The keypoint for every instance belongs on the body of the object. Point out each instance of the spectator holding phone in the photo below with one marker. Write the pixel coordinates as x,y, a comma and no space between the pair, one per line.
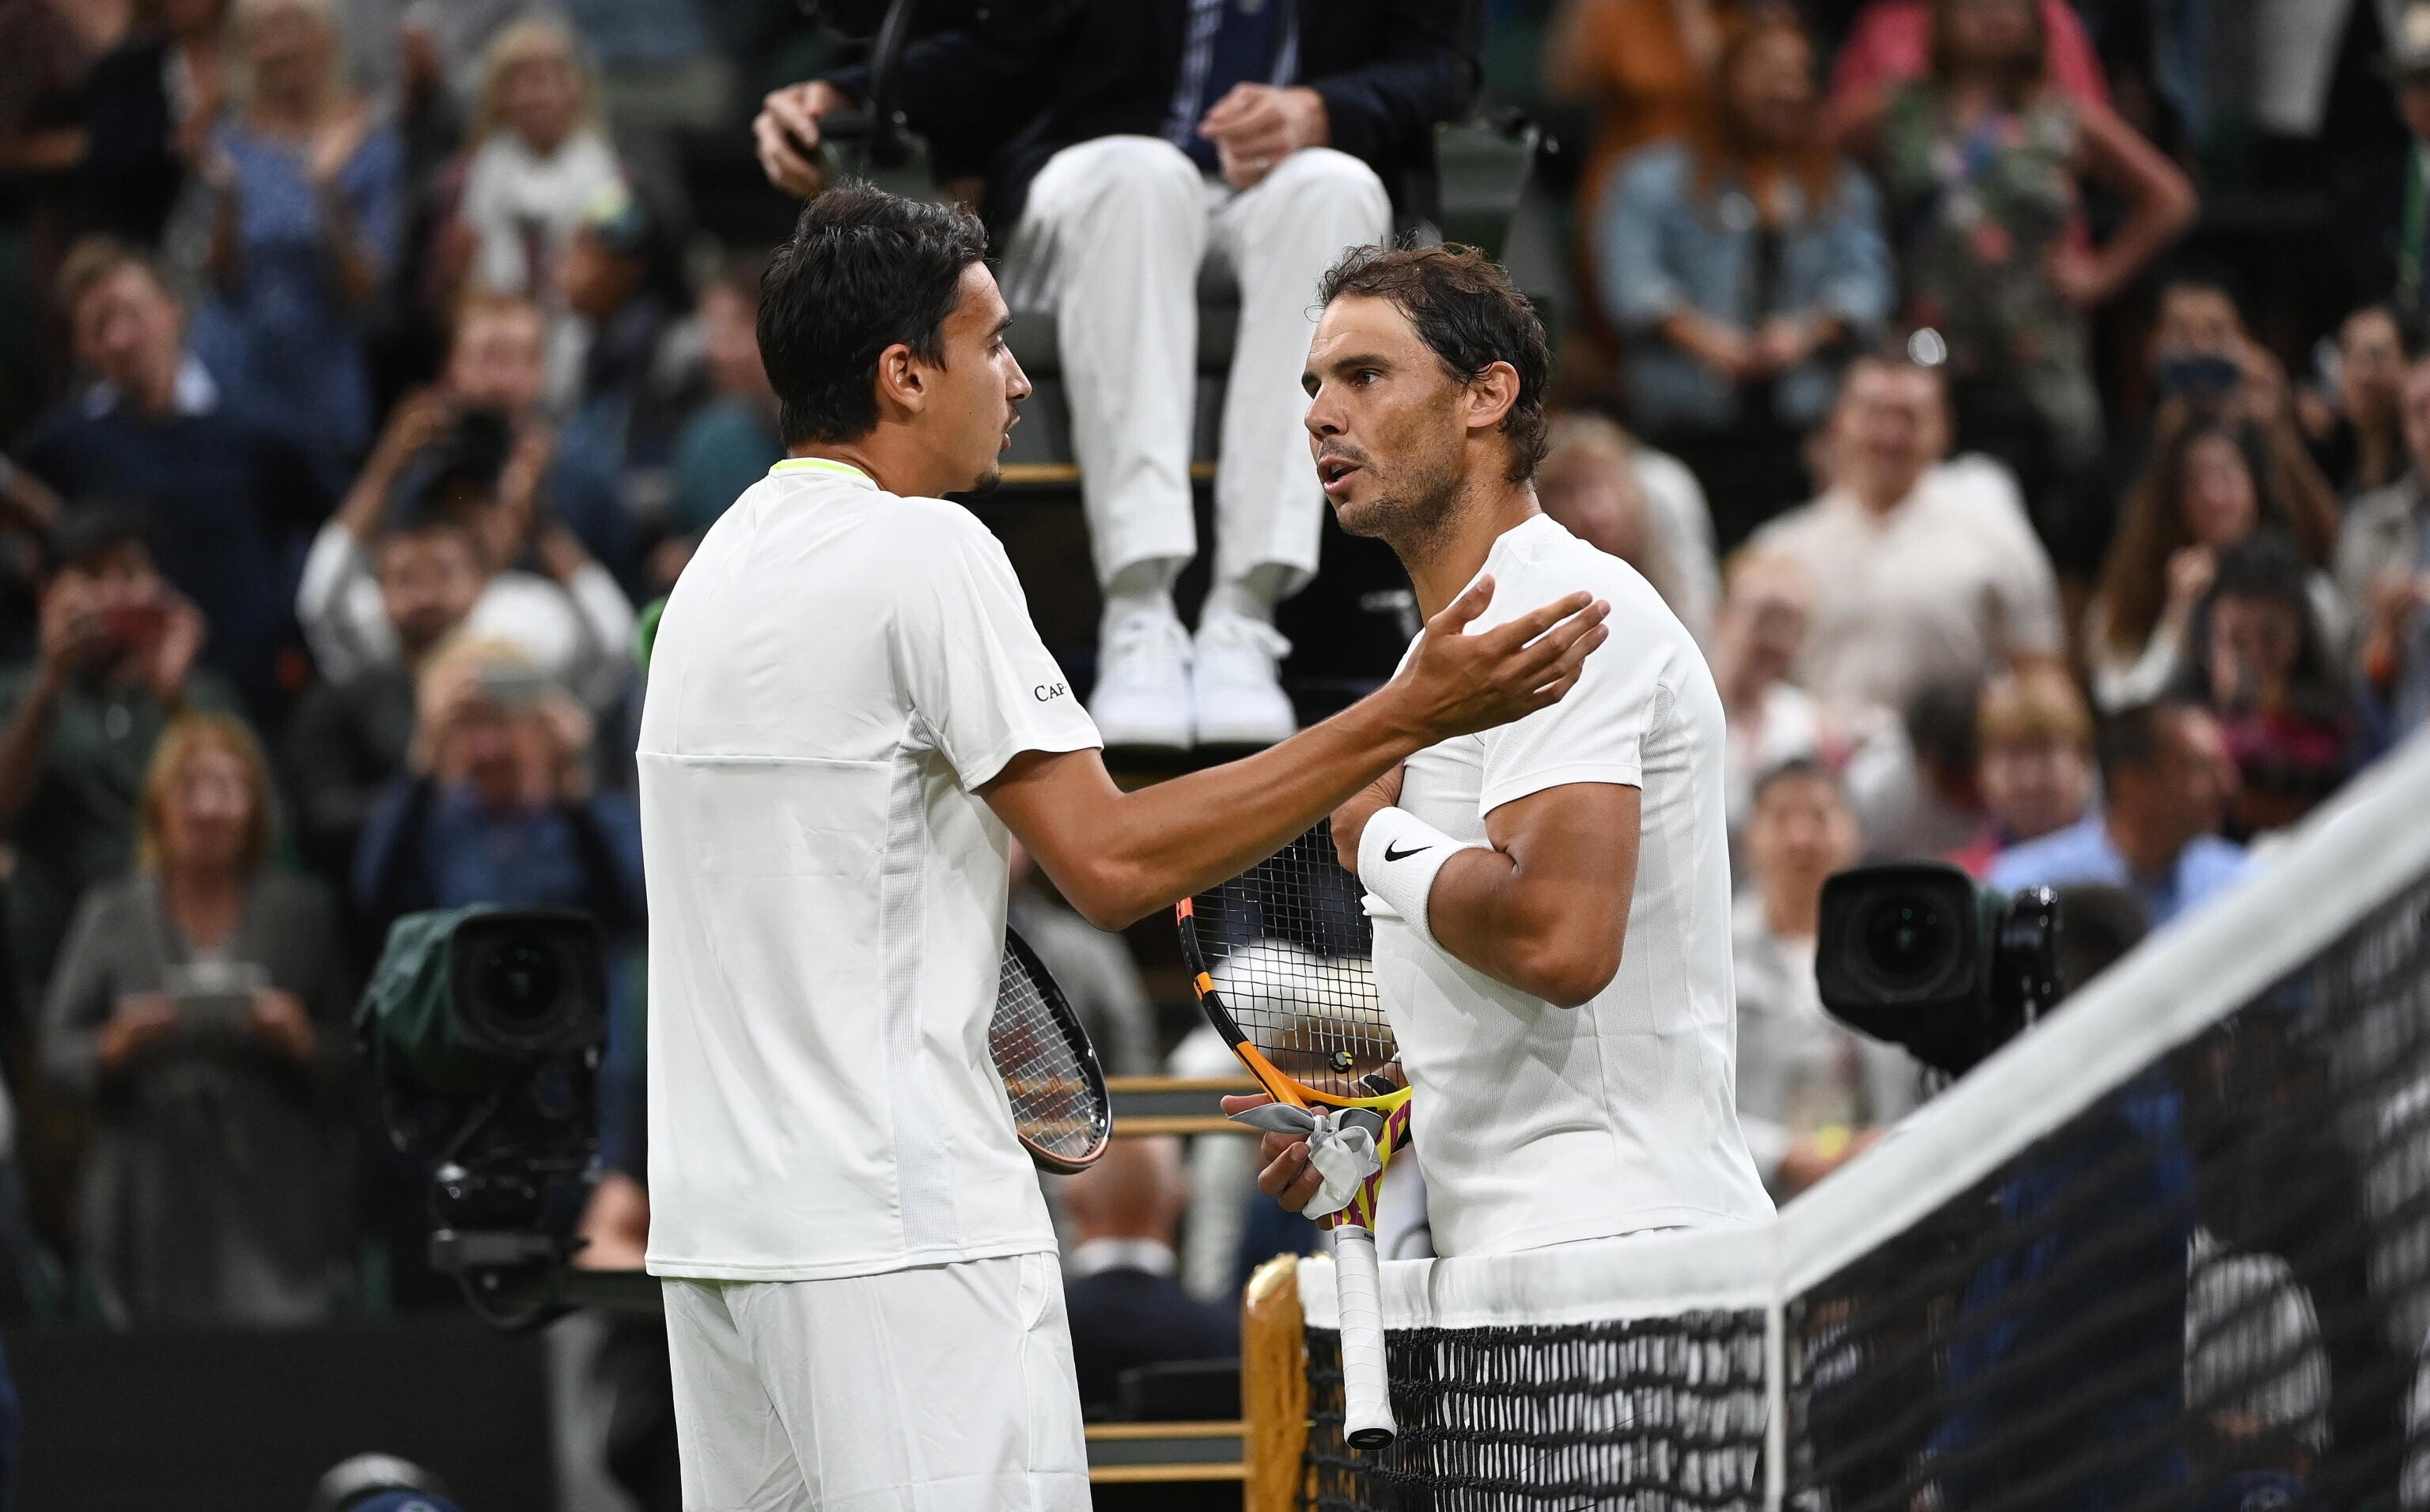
2212,482
115,665
2201,359
200,1010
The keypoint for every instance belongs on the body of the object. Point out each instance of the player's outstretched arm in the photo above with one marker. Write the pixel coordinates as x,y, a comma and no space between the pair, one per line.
1118,856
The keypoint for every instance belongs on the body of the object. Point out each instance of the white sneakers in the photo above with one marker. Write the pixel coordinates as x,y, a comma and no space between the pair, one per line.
1149,693
1143,695
1240,693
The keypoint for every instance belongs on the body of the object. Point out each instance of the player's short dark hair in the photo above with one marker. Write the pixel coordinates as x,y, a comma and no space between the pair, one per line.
2135,737
1467,311
864,271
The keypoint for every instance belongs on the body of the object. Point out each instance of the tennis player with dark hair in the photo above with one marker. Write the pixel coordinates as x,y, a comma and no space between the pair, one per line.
1550,898
849,717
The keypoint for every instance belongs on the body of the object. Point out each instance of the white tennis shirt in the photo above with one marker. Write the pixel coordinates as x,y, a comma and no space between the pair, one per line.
1536,1124
838,671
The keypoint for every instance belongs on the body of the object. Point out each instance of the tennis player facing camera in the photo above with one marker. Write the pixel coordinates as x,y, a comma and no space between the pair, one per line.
1550,898
849,716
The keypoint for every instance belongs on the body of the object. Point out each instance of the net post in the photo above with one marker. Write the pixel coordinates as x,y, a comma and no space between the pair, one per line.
1273,1386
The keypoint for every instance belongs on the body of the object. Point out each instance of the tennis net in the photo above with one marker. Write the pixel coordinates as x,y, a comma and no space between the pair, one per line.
2171,1250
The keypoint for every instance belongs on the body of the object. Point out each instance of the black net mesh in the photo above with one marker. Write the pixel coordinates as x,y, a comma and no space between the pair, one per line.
1644,1413
1287,944
2209,1289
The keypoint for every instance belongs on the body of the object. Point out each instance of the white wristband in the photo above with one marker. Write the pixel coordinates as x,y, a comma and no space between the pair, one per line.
1398,856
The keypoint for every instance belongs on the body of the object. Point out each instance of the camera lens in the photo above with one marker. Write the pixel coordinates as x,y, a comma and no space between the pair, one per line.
522,983
1907,941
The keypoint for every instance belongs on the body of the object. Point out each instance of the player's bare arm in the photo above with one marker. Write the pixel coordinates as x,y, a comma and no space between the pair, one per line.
1118,856
1545,909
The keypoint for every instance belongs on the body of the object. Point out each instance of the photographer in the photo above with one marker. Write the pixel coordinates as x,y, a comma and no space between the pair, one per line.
115,664
200,1008
472,448
499,805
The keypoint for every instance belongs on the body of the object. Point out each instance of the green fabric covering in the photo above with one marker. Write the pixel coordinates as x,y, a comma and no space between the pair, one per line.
407,1011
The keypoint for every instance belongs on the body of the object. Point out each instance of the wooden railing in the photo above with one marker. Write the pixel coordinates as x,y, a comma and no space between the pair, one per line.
1174,1104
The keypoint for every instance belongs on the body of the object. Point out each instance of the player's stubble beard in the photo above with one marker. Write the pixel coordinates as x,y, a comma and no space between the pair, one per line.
1415,502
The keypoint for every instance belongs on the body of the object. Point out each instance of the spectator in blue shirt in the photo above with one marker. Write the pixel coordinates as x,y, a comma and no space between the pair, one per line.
308,189
2169,781
1742,266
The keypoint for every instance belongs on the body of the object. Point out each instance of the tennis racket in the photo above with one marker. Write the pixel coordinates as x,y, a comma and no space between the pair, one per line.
1059,1106
1281,960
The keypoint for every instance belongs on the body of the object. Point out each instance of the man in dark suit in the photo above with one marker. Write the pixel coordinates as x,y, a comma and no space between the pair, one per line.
1123,143
1125,1307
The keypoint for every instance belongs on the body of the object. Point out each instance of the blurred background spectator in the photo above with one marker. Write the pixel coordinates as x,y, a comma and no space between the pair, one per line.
2383,564
306,189
540,160
729,441
1735,265
499,805
2212,482
1812,1093
1923,574
2266,672
1126,1308
115,666
2033,761
1639,504
2167,783
200,1008
228,491
2357,421
1983,159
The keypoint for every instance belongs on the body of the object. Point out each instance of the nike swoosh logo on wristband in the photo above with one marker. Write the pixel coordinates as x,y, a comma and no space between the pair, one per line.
1391,855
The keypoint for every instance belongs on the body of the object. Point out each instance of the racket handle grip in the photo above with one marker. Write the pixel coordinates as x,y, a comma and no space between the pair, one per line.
1366,1393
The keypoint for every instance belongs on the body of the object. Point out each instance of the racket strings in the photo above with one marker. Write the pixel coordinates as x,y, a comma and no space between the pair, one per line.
1289,947
1055,1101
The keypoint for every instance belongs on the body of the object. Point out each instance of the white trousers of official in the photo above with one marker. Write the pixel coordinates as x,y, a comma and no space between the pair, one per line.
1110,240
943,1388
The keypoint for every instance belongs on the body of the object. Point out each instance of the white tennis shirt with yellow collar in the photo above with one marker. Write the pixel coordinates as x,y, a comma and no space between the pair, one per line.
838,672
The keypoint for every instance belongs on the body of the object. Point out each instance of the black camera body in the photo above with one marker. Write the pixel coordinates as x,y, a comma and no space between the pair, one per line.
486,1027
1916,953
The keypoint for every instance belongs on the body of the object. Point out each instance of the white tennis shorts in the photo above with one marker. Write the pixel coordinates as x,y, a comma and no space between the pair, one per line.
944,1388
